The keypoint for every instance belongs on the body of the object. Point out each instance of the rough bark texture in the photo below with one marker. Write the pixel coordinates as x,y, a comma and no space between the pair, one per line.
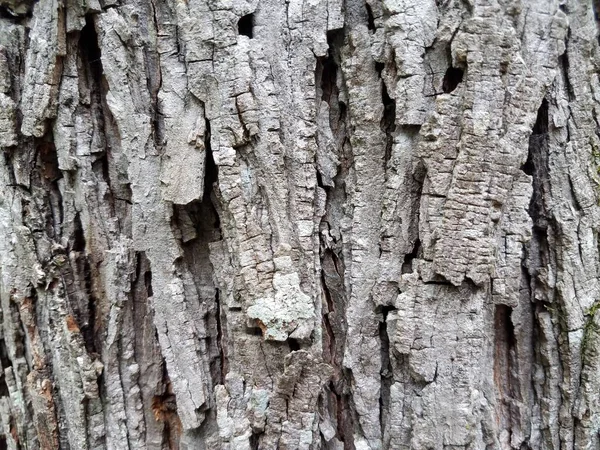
269,224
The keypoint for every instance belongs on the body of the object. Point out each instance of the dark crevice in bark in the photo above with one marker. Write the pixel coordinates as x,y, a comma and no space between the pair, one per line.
388,119
536,165
255,440
148,283
78,240
387,375
541,121
329,79
337,398
452,78
154,84
539,263
246,26
294,344
407,265
329,338
335,338
198,224
90,52
221,318
80,292
370,19
253,331
152,368
91,73
45,177
164,408
505,367
565,66
18,19
439,280
328,69
6,363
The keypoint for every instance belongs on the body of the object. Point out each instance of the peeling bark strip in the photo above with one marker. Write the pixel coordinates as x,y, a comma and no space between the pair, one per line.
281,225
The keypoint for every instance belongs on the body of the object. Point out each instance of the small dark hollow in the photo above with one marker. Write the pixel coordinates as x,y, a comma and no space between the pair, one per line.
452,77
78,235
4,392
370,18
90,51
407,265
541,121
148,283
3,445
246,25
254,331
294,344
254,440
505,330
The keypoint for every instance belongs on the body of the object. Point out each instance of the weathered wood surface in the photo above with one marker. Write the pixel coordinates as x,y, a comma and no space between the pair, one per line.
244,224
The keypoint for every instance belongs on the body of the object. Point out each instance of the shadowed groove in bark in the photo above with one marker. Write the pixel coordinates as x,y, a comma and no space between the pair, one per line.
329,79
505,369
407,265
164,407
198,223
370,19
6,363
85,313
387,374
388,119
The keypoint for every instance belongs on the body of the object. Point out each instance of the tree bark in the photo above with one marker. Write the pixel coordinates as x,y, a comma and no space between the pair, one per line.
299,224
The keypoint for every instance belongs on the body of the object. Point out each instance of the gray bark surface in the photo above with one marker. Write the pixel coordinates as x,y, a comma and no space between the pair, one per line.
338,225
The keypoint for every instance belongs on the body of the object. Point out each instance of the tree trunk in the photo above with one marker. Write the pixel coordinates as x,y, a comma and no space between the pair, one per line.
299,224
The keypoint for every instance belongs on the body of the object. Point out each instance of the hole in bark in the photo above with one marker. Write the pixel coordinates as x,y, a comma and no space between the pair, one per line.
370,18
101,166
452,78
329,68
541,121
246,25
78,236
438,280
294,344
148,283
528,166
89,50
407,266
254,331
